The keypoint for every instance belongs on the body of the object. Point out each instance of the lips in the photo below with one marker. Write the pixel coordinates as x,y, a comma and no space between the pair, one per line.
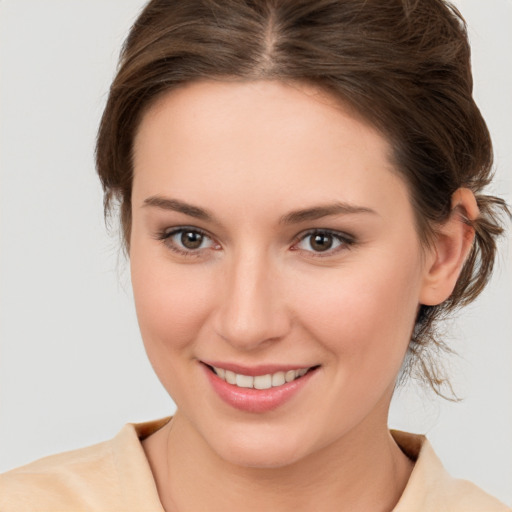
257,389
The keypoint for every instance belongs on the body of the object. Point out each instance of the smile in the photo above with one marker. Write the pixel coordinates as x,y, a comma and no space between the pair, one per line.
270,380
266,388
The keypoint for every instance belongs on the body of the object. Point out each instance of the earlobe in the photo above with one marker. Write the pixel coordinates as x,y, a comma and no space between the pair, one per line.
452,243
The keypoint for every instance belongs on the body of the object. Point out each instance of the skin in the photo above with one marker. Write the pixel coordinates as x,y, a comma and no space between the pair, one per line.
256,292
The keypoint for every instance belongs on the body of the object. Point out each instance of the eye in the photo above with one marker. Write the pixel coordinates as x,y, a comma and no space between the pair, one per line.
323,241
191,239
187,241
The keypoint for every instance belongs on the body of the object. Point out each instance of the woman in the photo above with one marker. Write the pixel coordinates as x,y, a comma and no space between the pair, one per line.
300,187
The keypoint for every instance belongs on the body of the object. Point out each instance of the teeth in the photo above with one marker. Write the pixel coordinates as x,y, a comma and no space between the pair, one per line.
230,377
263,381
290,375
244,381
260,381
278,379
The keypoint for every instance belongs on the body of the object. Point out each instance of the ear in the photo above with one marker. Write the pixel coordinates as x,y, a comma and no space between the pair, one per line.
453,241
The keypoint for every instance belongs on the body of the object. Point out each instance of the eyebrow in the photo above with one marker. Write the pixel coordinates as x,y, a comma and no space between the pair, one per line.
294,217
174,205
319,212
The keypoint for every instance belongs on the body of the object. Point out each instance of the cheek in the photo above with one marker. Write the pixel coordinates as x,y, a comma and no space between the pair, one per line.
171,303
364,313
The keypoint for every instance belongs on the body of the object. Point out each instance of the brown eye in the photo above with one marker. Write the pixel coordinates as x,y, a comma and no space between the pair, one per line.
188,241
321,241
191,239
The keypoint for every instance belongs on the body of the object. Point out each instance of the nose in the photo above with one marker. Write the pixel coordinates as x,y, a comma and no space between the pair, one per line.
251,311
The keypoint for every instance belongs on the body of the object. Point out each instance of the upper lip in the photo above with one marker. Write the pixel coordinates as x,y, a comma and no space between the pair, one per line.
253,371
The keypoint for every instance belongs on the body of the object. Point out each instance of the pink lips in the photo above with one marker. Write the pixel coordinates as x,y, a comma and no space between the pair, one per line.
255,400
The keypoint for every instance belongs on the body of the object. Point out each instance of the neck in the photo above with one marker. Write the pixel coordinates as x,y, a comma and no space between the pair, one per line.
365,470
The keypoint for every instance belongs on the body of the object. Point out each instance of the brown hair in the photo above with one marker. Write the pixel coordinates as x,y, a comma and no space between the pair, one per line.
404,65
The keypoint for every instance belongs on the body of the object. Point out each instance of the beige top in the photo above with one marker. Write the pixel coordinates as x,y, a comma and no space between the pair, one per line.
115,476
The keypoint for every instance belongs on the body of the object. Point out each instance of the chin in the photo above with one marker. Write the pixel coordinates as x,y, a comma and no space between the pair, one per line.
264,451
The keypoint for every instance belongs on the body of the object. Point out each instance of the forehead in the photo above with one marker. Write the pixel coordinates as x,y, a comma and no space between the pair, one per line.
247,137
295,108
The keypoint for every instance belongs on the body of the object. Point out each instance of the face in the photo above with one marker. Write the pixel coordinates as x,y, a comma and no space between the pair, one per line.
272,246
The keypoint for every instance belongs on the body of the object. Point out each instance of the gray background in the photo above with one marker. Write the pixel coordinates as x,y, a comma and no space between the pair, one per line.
72,366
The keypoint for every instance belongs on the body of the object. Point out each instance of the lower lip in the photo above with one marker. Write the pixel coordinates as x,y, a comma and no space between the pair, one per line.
256,400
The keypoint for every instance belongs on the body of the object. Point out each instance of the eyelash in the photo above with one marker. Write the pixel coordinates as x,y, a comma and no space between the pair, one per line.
346,241
165,236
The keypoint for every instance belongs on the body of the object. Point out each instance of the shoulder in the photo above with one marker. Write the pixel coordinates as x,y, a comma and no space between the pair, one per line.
105,476
54,480
432,489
